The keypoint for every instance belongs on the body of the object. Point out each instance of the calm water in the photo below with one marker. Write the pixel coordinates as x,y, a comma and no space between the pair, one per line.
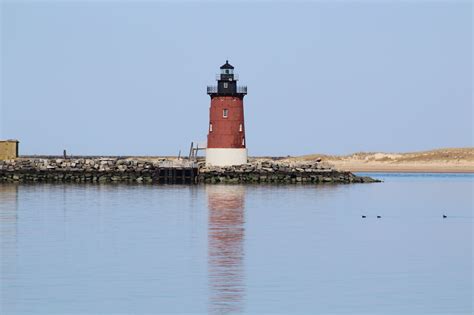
94,249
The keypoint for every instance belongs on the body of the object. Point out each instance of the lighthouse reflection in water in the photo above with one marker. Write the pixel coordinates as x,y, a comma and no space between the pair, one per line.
226,253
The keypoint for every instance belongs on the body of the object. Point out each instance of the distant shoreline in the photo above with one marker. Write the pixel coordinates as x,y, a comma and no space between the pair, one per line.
446,160
409,170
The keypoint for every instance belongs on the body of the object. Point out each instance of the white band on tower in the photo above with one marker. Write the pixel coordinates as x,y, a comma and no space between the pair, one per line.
225,157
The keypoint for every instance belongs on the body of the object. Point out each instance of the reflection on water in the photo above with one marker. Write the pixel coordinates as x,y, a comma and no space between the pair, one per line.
300,249
226,252
8,239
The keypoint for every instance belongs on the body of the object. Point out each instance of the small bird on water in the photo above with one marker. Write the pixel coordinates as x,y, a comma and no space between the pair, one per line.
444,216
364,216
378,217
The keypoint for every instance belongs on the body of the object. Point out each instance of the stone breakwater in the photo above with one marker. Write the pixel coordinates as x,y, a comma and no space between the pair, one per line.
132,170
274,172
97,170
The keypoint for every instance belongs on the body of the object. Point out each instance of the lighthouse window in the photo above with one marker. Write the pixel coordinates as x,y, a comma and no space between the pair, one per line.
210,127
225,113
240,128
243,141
226,85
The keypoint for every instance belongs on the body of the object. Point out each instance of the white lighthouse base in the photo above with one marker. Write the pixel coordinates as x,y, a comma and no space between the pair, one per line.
225,157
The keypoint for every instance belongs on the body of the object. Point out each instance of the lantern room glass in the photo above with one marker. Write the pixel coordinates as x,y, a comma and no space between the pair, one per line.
227,71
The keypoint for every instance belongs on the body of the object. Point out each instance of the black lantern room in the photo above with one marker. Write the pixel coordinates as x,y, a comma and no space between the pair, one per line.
227,83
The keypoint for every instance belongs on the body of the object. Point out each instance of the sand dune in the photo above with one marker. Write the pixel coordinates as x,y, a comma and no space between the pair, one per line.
439,160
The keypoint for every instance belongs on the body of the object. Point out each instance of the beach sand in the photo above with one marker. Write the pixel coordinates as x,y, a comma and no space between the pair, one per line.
449,160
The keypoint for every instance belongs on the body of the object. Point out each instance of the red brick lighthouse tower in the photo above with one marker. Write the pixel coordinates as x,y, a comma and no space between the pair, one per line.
226,137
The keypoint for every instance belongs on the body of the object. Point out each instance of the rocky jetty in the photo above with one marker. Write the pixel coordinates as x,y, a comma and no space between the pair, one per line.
168,171
97,170
275,172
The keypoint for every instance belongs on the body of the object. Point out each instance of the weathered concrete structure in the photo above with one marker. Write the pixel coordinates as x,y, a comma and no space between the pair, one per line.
8,149
131,170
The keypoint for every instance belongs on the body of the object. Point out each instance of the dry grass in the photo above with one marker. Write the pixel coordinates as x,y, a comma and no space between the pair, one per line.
439,160
447,155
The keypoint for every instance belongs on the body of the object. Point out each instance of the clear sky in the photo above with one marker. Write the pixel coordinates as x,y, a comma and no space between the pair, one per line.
129,78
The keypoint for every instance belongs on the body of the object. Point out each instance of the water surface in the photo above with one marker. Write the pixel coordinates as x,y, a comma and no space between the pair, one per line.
95,249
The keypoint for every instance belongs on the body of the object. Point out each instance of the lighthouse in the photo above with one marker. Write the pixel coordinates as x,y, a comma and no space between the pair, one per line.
226,138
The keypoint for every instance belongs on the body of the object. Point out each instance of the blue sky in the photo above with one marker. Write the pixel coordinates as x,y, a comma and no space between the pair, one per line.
127,77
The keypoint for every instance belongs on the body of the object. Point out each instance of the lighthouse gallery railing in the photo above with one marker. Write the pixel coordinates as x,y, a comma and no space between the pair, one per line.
213,89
